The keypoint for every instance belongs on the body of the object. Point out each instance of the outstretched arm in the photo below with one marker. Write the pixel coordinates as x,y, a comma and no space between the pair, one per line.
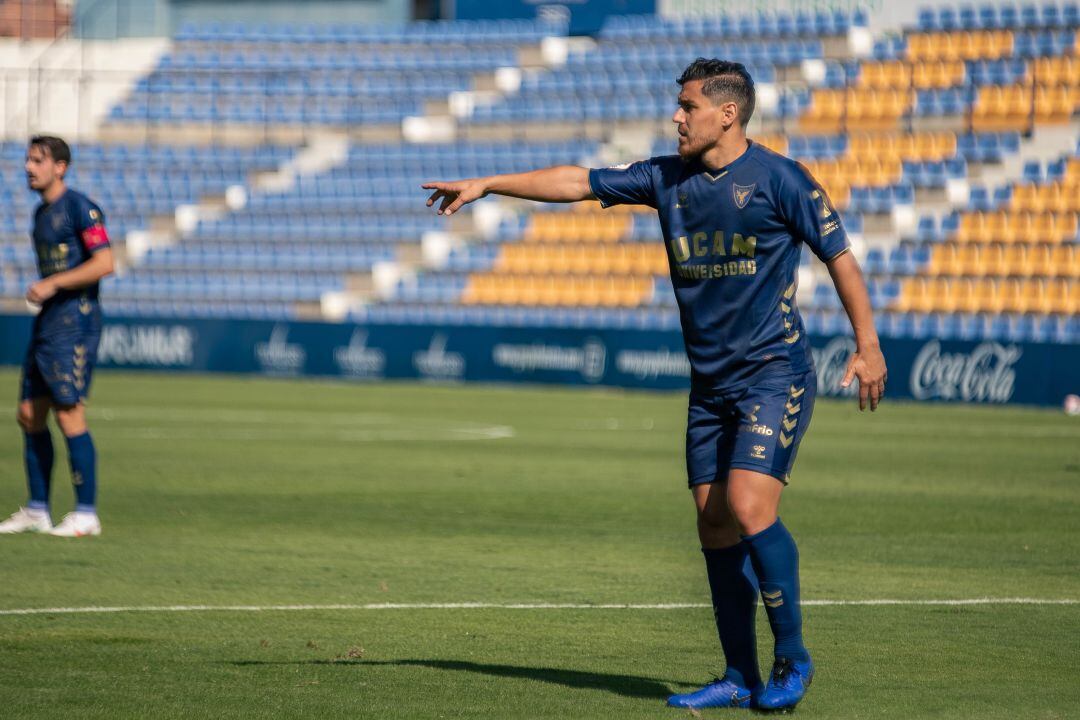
867,364
562,183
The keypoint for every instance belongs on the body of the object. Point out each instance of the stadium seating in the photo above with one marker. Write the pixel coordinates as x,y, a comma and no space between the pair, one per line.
1015,252
931,108
321,75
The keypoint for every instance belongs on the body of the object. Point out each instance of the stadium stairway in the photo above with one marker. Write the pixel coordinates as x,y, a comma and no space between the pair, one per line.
68,86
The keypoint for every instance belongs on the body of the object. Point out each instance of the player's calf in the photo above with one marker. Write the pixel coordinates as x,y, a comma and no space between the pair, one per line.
82,455
38,460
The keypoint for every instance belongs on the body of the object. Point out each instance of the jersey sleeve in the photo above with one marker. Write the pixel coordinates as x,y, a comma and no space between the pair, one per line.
631,184
810,215
90,226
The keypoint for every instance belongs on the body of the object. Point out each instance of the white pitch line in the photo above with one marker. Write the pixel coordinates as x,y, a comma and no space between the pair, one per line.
511,606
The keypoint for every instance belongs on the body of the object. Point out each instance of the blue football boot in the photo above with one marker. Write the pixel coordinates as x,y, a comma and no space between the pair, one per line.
787,685
720,693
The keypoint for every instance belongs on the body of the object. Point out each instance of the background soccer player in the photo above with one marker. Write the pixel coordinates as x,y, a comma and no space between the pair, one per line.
734,216
73,254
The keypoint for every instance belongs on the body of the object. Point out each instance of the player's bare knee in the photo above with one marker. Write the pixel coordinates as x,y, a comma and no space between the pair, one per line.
719,533
715,521
749,511
71,419
28,420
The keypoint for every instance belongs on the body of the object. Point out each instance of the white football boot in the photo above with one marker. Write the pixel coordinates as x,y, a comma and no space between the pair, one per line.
78,524
27,520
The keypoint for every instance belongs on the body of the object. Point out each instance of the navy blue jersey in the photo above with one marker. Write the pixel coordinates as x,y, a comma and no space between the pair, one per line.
734,240
66,233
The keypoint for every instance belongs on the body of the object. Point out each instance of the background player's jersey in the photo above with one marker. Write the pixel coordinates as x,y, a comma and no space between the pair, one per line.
66,233
733,241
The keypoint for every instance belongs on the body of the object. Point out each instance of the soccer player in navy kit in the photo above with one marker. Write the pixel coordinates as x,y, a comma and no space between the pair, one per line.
734,216
73,254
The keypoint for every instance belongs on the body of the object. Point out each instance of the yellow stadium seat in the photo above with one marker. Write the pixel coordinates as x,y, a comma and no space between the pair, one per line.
946,145
1061,260
969,260
940,295
1040,261
590,292
948,46
944,260
1054,297
1020,227
565,258
1067,226
993,262
918,46
477,291
961,296
1025,198
912,290
1010,297
970,227
1018,260
823,115
1002,108
541,291
1001,43
928,295
639,261
1055,201
619,261
986,296
995,228
1043,228
1058,198
1053,105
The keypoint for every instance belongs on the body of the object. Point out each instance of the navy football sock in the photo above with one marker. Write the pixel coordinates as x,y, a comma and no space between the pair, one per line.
776,562
39,463
83,460
734,598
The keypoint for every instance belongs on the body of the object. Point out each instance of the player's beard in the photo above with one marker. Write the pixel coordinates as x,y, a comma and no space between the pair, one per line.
38,184
685,145
687,150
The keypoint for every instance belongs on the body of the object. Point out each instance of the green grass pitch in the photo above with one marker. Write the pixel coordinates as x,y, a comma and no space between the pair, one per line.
232,491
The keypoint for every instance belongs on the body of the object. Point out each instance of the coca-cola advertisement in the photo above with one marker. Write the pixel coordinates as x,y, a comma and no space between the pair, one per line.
971,372
986,374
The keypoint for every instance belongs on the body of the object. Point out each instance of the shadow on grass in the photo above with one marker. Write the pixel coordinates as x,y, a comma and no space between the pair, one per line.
632,686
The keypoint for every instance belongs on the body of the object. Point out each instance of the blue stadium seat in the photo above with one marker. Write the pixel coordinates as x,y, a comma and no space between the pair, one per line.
928,20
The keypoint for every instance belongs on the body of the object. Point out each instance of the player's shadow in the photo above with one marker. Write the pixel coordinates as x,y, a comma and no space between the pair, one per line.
632,686
628,685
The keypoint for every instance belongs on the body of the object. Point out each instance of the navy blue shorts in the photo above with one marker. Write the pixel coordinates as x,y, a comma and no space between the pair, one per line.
59,363
757,428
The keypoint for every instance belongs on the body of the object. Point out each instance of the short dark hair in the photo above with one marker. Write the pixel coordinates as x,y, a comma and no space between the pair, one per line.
57,148
724,82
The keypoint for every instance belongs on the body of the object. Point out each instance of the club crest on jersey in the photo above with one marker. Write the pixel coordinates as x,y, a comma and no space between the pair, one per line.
742,194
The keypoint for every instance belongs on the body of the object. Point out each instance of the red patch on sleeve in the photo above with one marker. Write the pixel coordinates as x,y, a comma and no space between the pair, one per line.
95,237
